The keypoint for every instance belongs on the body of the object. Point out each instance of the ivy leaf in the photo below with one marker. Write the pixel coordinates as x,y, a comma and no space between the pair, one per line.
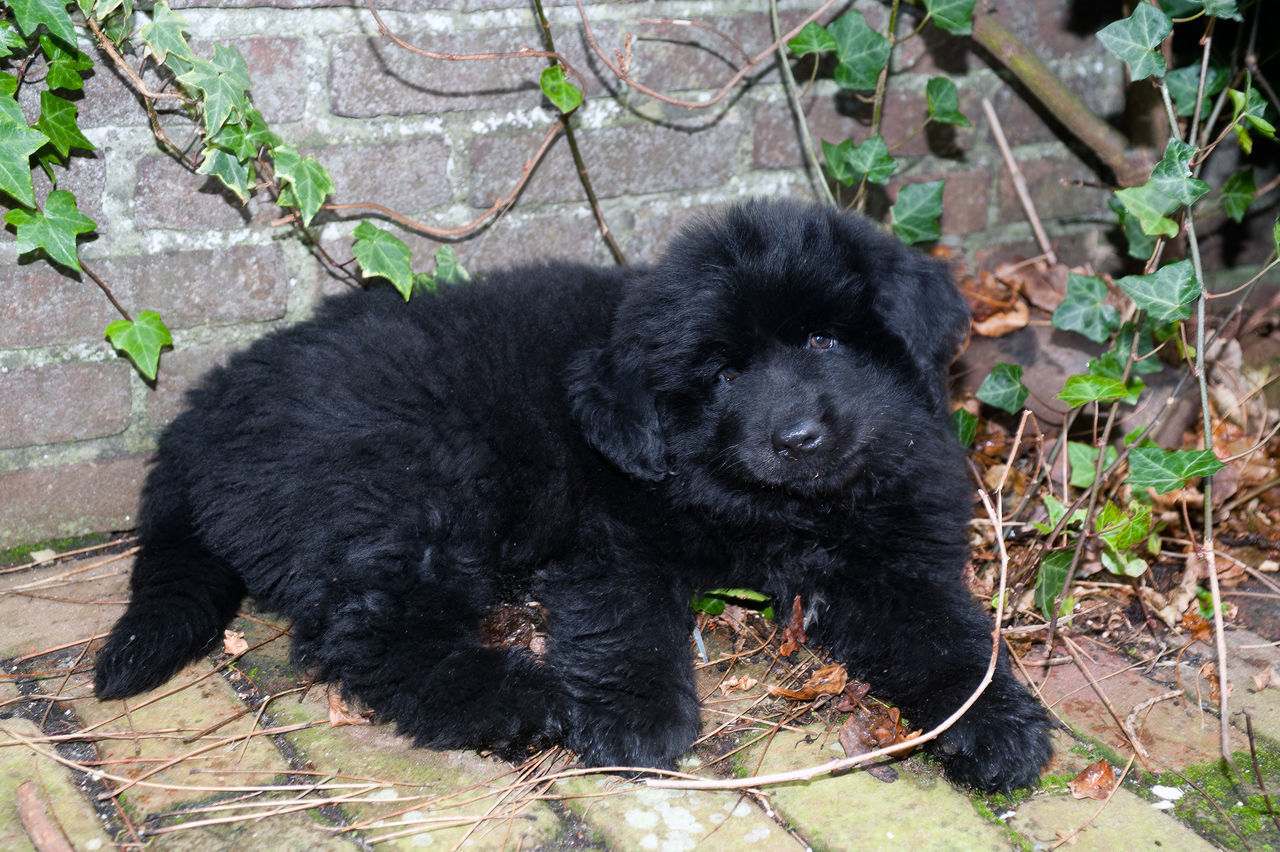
965,426
1248,110
54,229
1003,388
1124,344
1085,388
142,340
1238,193
814,38
307,180
1085,310
1123,530
448,270
228,168
848,163
954,16
1165,293
944,102
1172,175
58,122
1133,39
383,255
1222,9
565,95
1140,244
1082,459
1051,577
17,143
1149,207
65,66
30,14
1184,82
11,41
1164,470
222,81
164,35
861,50
915,216
1056,510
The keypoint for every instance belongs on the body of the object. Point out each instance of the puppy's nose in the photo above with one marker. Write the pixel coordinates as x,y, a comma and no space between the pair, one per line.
798,439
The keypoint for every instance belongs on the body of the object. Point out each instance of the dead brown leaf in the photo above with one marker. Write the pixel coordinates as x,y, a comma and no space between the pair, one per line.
340,715
233,642
1039,283
793,635
1096,781
870,727
997,310
828,680
737,684
1201,630
1265,677
853,695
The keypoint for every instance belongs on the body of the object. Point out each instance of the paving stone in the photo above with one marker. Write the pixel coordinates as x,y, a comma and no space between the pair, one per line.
627,816
1128,822
1248,654
855,811
66,805
55,611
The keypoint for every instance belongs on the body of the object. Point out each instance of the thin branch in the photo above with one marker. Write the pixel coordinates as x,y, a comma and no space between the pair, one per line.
106,290
802,124
1019,183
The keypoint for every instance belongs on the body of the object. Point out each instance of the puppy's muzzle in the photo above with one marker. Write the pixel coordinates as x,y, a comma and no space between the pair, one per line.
799,439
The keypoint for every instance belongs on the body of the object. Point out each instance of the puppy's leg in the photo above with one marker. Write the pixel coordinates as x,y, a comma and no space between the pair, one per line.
620,644
924,643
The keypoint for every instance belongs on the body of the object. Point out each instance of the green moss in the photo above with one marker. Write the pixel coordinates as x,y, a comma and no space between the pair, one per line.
1240,799
22,553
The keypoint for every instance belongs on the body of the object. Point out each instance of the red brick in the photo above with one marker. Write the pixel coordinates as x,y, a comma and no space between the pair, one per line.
965,197
63,402
180,370
563,232
276,67
169,196
1053,200
409,177
57,502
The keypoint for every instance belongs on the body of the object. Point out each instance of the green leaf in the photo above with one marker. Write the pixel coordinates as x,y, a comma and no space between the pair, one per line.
954,16
1248,110
17,143
307,180
848,163
1164,470
54,229
65,66
814,38
448,270
862,51
944,102
163,35
1140,244
1132,40
1238,193
965,425
1003,388
1184,82
1121,529
1172,175
1056,509
383,255
916,214
11,41
228,168
1124,344
1082,459
1149,207
222,81
1222,9
1084,389
1165,293
1051,576
1085,310
565,95
141,340
58,122
30,14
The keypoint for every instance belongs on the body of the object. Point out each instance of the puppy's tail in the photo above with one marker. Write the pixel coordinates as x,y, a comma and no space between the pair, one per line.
183,596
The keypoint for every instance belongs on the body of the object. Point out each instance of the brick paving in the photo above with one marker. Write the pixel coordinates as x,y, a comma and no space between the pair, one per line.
240,756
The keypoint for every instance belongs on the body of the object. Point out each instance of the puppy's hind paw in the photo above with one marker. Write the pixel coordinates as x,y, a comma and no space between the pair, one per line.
997,746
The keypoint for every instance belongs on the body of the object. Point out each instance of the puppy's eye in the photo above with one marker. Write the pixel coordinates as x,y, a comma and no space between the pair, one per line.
821,341
728,373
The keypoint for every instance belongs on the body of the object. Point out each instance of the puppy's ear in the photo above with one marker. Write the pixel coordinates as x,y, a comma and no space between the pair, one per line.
924,306
616,413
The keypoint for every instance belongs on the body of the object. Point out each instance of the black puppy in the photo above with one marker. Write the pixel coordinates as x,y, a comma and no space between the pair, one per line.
764,407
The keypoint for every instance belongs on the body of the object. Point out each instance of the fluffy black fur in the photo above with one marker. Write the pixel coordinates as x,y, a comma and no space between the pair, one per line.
764,407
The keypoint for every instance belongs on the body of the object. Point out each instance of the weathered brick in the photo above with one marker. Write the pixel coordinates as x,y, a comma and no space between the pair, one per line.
169,196
75,499
622,160
373,76
63,402
179,371
964,198
409,177
656,227
566,232
276,65
1098,82
1052,199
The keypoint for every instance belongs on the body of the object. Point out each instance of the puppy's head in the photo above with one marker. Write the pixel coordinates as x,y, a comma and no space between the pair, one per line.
779,346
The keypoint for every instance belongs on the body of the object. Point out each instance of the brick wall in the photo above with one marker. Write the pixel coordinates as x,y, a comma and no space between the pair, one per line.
440,141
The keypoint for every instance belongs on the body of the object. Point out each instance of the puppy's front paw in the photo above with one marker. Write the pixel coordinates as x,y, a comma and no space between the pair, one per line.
633,732
1001,744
